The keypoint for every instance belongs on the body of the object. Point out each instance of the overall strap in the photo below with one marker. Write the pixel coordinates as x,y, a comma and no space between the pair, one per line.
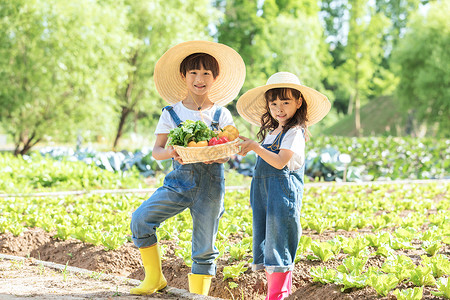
215,120
275,146
173,114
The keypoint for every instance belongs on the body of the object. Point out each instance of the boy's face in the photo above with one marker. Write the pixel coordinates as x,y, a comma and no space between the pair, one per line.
284,109
199,81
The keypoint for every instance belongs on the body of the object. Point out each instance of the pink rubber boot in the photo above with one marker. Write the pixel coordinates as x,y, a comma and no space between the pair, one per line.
279,285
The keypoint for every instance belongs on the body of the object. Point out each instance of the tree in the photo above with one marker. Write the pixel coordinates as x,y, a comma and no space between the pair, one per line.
422,62
337,15
279,35
156,26
59,61
363,53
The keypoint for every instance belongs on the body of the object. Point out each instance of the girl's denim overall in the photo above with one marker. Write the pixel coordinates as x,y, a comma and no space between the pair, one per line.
276,198
199,187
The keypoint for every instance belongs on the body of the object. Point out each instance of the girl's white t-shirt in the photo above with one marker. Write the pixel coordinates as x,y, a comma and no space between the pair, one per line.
166,123
293,140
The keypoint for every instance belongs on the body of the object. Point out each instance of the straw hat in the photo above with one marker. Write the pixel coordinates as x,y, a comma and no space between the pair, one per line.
171,86
252,105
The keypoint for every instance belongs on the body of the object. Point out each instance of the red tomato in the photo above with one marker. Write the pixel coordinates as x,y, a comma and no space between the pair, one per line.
213,141
223,140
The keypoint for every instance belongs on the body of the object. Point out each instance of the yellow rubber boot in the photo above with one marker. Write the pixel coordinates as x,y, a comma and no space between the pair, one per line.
154,279
199,283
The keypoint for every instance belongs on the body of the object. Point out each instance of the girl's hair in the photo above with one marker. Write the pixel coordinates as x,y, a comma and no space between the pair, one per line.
269,123
196,60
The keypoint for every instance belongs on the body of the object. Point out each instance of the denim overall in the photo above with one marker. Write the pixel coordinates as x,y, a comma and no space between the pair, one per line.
199,187
276,199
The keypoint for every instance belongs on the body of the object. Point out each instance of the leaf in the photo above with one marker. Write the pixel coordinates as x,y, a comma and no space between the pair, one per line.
353,281
409,294
443,285
352,265
234,271
422,276
383,284
322,274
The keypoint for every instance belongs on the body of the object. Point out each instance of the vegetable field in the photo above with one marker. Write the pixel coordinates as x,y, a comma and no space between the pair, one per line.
368,241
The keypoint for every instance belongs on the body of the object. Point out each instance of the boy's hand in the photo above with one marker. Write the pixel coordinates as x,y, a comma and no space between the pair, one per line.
174,154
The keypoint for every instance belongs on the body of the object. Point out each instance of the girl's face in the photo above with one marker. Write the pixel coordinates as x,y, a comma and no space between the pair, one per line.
199,82
284,109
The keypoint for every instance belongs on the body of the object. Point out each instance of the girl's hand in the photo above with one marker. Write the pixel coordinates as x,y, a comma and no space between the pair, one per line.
247,145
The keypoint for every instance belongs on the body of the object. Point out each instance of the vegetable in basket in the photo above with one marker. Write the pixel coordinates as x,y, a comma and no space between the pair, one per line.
190,131
230,132
218,140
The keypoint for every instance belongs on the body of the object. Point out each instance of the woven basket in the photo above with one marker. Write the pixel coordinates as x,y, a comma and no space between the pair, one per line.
201,154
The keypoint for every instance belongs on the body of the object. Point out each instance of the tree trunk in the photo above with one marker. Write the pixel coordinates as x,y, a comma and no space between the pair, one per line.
28,143
123,116
350,105
357,115
126,110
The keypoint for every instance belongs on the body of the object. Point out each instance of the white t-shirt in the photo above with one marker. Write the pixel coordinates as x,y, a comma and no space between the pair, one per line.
166,123
293,140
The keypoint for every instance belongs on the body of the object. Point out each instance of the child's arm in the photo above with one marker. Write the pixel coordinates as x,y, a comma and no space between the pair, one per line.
160,152
278,161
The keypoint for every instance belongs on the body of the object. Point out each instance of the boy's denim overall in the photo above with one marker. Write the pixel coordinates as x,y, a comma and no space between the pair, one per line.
199,187
276,198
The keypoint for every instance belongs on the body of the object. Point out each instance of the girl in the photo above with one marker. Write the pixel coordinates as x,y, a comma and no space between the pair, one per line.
195,77
283,109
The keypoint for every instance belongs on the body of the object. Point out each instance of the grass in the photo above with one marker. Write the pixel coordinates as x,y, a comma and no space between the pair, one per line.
380,117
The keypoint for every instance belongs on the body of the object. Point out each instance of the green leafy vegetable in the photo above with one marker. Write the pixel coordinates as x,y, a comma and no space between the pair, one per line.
409,294
322,274
234,271
443,285
422,276
383,284
190,131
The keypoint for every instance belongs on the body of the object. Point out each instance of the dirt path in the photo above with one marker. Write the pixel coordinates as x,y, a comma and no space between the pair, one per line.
25,278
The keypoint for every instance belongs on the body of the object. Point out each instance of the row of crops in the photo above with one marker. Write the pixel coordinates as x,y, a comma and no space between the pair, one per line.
394,238
328,159
24,175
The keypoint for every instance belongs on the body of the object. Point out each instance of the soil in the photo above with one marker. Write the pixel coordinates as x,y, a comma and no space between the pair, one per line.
126,262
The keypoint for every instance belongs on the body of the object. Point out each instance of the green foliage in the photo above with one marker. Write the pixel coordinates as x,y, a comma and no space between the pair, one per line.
30,173
234,271
59,61
423,65
350,281
401,266
439,264
391,157
432,247
356,247
190,131
319,224
322,251
323,274
383,284
409,294
352,265
422,276
443,285
155,26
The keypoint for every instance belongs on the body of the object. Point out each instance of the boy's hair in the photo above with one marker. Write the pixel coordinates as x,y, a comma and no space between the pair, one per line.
270,123
196,60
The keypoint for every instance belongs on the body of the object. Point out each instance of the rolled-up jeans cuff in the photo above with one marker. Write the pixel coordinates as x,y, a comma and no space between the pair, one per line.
204,269
257,267
279,269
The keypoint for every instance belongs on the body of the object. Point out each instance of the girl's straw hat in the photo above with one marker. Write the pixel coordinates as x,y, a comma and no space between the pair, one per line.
252,105
171,86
